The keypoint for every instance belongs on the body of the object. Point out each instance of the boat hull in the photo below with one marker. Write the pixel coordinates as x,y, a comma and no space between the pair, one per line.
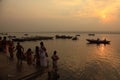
92,41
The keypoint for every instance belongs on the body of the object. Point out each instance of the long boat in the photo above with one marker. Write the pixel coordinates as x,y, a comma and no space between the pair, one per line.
93,41
32,38
75,38
63,37
91,34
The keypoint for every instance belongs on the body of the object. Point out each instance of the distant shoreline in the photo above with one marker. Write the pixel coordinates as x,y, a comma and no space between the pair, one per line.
95,32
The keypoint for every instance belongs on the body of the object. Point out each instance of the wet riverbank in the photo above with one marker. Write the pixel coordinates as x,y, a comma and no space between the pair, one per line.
11,70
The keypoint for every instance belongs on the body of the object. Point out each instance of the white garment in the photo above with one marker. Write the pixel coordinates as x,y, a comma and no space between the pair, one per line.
43,59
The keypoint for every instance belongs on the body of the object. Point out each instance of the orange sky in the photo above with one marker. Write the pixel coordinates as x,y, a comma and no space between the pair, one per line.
60,15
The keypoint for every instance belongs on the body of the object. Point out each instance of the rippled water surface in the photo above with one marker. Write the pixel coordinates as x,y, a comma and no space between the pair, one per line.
82,61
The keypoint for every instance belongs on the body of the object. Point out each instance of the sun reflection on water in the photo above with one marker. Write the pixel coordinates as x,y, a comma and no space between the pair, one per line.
101,51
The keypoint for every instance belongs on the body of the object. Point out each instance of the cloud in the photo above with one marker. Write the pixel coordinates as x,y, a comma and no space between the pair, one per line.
35,9
66,2
97,8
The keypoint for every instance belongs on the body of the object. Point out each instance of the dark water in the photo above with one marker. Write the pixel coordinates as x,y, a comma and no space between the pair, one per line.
82,61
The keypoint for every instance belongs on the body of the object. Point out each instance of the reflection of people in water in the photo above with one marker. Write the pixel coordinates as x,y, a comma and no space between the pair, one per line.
56,76
53,75
19,67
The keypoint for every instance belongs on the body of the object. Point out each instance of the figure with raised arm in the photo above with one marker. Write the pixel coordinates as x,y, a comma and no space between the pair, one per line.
19,48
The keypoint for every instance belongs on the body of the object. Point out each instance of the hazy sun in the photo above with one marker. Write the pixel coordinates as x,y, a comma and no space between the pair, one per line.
104,16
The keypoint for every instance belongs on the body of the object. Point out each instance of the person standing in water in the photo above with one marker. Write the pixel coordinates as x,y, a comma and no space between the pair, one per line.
11,49
37,56
55,58
1,44
19,53
29,56
4,45
43,55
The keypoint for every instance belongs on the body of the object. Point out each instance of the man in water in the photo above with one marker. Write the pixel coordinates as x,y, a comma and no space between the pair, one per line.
19,53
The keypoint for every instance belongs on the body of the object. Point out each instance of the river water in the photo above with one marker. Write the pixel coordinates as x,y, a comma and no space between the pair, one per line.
82,61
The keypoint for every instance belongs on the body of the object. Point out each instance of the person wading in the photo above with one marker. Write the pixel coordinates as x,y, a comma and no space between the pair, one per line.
19,53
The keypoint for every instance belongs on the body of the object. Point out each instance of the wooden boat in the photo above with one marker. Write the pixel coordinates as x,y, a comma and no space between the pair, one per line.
4,33
33,38
91,34
93,41
77,35
63,37
11,37
75,38
26,34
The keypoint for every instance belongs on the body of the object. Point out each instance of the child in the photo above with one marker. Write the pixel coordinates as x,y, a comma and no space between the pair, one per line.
55,58
11,49
29,56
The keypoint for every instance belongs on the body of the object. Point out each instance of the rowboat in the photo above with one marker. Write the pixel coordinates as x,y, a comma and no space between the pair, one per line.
94,41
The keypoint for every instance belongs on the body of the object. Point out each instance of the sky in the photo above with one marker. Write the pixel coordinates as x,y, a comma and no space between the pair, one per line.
59,15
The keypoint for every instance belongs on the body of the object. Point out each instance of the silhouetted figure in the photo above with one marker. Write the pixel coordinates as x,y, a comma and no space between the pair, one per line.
42,46
43,55
0,43
55,58
19,53
37,56
4,45
11,49
29,56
